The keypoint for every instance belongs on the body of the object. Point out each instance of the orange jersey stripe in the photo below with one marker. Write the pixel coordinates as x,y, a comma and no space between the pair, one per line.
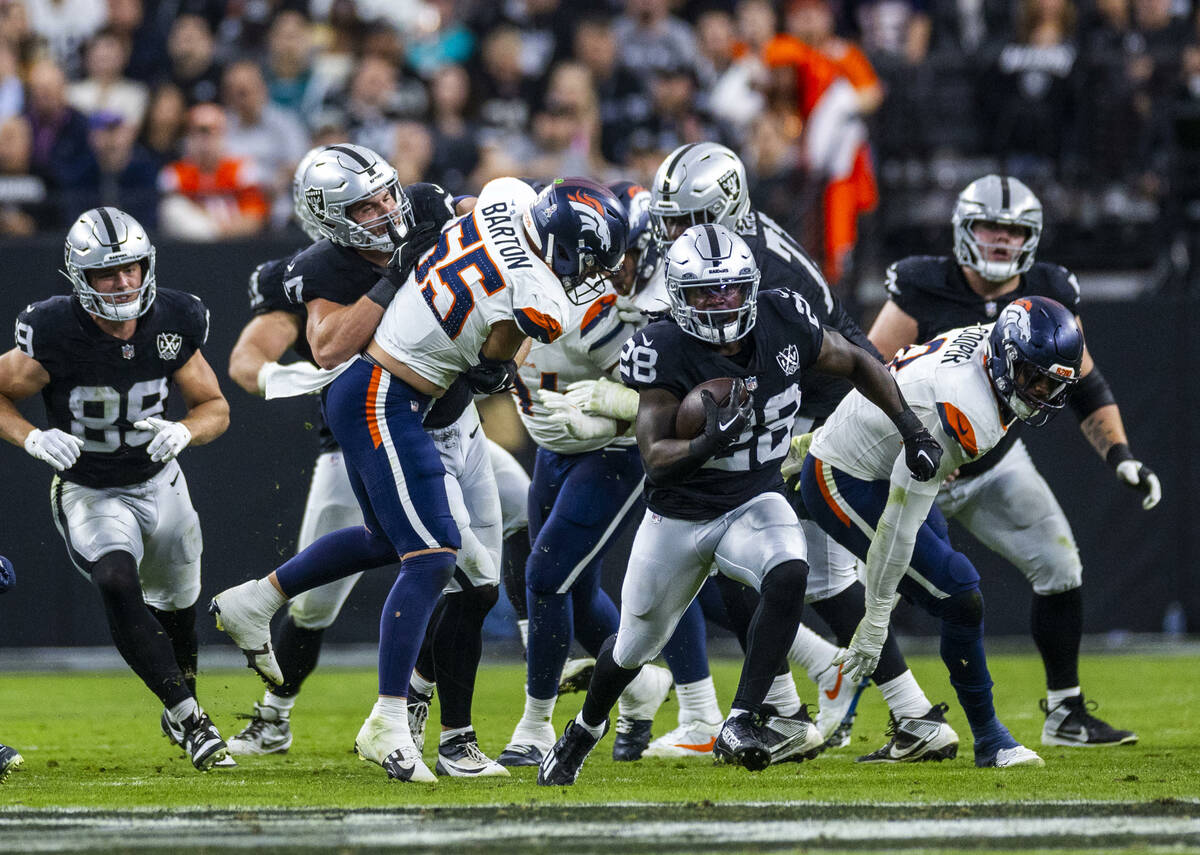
955,423
819,467
372,417
547,324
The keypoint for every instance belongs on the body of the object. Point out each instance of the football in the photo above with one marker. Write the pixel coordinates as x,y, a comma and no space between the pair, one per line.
689,418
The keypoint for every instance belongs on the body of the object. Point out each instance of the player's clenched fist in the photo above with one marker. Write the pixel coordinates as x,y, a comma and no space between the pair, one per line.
170,438
58,448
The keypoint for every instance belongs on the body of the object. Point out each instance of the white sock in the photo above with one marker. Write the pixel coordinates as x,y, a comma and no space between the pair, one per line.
782,695
698,701
280,703
537,712
1054,697
596,731
734,712
184,710
904,697
523,628
394,711
420,685
447,735
269,597
811,652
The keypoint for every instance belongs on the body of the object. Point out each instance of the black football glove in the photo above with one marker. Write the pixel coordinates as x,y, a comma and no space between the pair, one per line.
723,425
922,453
491,376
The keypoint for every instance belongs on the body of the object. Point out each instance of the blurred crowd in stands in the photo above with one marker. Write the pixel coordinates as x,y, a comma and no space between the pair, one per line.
851,115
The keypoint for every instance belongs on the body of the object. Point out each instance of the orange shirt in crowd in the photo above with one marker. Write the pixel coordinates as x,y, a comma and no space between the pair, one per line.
232,185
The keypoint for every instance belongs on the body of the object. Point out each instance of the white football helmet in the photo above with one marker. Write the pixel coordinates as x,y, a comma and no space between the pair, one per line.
108,237
711,259
343,174
307,222
698,183
996,199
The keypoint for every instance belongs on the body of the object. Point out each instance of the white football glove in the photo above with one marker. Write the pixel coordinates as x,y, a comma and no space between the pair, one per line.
604,398
797,451
58,448
629,312
579,424
170,438
275,369
861,658
1141,477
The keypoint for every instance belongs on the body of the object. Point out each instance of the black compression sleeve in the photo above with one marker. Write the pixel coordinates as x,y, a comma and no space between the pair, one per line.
1090,394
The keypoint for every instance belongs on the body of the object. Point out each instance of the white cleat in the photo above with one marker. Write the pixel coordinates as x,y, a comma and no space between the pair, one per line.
691,739
528,745
269,732
393,750
1018,755
240,615
462,758
576,675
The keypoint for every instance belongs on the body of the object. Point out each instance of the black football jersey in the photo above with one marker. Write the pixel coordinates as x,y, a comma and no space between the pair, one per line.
100,385
934,292
785,265
785,340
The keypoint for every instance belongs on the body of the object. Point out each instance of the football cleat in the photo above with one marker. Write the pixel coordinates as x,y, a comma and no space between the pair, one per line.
239,615
916,739
1018,755
1071,723
791,737
418,715
632,739
576,675
202,742
837,706
691,739
741,743
528,746
10,761
562,763
461,758
394,751
269,732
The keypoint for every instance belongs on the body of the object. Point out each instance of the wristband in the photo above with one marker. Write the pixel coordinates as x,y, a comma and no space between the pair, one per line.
1118,454
382,293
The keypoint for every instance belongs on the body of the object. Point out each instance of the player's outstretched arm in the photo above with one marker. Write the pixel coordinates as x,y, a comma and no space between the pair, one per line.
262,342
839,357
208,411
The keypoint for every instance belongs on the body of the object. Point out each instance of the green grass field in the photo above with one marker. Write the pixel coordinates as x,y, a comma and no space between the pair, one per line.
93,741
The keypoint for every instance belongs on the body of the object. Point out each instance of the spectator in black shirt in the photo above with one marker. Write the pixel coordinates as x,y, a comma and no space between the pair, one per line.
60,146
194,68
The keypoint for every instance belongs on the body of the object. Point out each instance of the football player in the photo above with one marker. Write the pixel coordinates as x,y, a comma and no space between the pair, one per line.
706,182
105,360
10,759
714,501
334,269
585,491
968,386
1002,499
496,277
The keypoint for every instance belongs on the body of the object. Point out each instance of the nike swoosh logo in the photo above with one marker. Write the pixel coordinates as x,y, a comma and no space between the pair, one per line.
728,424
837,687
704,746
472,434
173,480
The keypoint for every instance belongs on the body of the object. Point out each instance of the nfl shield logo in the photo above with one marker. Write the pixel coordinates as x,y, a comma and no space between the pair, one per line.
789,359
990,308
127,351
168,345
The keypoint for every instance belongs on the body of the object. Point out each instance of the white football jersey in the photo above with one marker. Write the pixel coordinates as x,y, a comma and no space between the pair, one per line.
481,271
946,383
591,344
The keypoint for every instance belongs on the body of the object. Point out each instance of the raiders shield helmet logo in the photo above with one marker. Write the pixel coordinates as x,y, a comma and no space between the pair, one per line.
168,345
730,184
314,197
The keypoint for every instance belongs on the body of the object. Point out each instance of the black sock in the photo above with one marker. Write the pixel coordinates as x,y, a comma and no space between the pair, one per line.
608,681
180,627
297,649
139,637
425,666
772,630
741,602
457,647
1056,621
512,567
842,612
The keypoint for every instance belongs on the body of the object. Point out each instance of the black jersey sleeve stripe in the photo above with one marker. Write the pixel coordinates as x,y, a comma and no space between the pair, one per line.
666,188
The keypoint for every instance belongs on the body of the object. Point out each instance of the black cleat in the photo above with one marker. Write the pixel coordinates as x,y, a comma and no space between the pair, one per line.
633,738
561,765
10,761
741,743
1071,724
202,742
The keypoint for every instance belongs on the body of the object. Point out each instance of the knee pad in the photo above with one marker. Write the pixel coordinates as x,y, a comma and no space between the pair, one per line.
116,573
964,609
436,567
784,584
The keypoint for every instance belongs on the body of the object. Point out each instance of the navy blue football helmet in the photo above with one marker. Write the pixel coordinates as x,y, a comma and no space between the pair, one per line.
580,230
1035,351
640,255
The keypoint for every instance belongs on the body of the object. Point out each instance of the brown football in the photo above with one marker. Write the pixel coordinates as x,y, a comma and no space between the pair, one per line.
689,418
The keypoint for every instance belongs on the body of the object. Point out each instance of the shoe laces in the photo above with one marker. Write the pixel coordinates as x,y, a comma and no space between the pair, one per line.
473,752
625,724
